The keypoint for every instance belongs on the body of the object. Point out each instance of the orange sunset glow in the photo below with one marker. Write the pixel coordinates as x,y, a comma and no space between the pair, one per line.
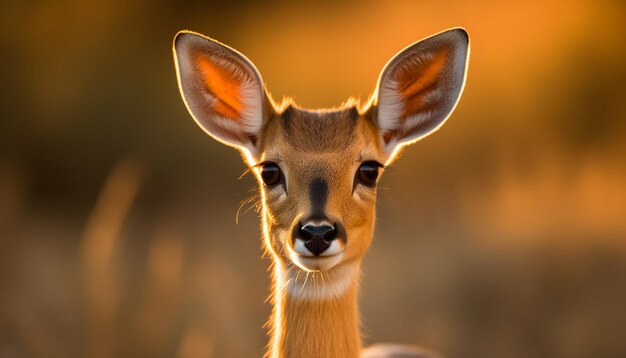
501,235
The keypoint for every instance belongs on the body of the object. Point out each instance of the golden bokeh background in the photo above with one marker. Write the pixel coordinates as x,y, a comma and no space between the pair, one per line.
503,235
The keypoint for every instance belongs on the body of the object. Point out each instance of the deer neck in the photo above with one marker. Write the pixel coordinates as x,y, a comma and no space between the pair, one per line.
318,318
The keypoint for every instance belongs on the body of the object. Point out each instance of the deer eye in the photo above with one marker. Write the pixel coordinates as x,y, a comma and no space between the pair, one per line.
367,174
270,173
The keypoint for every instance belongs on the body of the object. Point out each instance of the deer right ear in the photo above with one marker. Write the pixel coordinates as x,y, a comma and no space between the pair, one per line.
419,88
222,90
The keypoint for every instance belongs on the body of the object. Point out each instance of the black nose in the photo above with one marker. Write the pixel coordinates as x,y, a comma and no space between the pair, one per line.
317,238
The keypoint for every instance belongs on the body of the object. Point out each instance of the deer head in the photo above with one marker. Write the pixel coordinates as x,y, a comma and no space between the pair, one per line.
318,169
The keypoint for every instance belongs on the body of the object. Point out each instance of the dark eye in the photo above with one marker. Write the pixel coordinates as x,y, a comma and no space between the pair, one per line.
368,173
270,173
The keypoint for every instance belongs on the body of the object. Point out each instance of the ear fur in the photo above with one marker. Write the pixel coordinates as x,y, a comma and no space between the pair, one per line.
222,90
419,88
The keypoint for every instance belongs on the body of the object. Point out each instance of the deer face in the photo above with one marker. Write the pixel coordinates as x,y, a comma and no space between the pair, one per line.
318,179
318,170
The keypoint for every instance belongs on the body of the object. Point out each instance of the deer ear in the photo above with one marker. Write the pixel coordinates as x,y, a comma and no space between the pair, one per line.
419,88
222,90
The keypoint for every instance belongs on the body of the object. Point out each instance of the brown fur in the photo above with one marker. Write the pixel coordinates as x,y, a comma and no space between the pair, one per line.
319,131
313,329
331,145
327,144
315,299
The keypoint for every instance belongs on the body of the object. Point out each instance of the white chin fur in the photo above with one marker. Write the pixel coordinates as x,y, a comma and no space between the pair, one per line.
316,283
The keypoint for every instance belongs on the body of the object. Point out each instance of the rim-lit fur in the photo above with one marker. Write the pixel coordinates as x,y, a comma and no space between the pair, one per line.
330,146
318,154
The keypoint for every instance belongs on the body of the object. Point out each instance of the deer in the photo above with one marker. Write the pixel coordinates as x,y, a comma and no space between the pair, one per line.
317,173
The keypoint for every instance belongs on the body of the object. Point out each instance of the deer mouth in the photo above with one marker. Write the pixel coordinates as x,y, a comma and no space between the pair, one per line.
316,263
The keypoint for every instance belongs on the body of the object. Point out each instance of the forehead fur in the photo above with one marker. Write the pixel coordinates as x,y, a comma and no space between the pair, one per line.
319,131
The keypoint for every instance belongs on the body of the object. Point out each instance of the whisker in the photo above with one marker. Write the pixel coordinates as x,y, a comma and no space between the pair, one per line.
250,169
323,282
306,278
282,288
248,200
282,250
298,275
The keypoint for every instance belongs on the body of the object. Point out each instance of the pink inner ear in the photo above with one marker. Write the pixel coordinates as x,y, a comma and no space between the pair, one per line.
416,81
223,86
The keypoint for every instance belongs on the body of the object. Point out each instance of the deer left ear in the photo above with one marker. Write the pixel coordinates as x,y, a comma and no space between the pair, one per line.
419,88
222,89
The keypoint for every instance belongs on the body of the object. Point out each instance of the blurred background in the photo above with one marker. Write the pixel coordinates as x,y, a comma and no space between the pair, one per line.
503,235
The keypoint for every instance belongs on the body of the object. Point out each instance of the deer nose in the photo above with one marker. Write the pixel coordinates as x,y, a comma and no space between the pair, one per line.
317,238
